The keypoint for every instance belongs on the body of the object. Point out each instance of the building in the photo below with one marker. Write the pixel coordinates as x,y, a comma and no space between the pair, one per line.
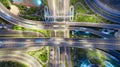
35,3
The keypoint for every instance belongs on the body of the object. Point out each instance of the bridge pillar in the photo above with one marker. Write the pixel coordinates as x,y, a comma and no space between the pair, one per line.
52,33
66,33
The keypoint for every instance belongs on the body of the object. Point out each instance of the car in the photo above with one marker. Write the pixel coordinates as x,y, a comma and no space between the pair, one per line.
51,49
38,40
1,26
83,28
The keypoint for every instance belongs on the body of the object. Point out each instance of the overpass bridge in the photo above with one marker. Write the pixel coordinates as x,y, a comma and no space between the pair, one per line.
112,44
16,20
8,31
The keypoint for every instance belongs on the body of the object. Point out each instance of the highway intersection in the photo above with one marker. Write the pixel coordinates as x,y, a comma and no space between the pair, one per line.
106,42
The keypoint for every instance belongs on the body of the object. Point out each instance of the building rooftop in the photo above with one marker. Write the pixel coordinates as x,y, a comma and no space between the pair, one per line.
36,3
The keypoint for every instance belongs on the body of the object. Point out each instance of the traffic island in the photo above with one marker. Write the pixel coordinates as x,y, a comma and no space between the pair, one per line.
41,55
